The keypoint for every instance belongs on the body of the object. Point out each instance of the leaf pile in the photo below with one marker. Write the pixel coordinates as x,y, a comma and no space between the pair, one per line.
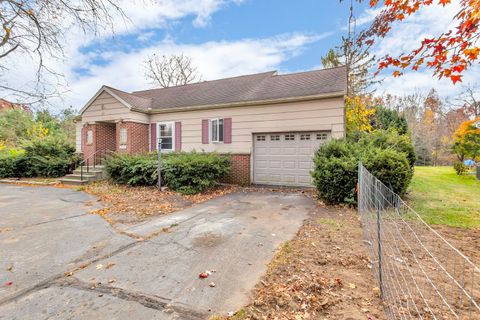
140,203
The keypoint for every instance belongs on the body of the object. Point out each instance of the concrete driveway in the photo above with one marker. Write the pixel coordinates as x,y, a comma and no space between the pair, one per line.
60,262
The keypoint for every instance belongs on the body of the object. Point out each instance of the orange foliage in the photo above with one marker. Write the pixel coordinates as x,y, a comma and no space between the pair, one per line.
448,54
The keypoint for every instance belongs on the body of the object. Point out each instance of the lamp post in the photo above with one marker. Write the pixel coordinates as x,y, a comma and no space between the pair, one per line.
159,165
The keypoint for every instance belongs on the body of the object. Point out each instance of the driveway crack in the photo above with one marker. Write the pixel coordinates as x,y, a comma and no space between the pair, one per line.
149,301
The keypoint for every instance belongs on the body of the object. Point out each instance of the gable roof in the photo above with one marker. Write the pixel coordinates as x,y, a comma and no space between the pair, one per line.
267,86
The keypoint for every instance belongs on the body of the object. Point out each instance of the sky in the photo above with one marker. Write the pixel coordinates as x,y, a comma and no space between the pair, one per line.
228,38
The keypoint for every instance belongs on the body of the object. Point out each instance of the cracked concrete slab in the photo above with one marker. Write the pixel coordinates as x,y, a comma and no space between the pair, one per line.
48,231
71,303
43,236
235,235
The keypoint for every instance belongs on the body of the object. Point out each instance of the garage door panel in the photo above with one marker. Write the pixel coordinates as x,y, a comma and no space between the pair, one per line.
261,164
289,164
305,164
287,158
276,164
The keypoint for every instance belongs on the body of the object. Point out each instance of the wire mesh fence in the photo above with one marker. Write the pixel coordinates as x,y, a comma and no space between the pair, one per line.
420,274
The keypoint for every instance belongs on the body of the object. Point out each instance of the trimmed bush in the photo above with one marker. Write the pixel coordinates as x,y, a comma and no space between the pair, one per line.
336,167
134,170
390,139
193,172
185,172
49,157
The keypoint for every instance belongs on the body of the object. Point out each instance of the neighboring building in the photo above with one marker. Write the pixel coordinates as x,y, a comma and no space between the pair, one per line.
7,105
271,124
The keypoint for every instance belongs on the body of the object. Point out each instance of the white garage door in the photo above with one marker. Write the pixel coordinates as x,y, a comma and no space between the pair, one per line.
285,158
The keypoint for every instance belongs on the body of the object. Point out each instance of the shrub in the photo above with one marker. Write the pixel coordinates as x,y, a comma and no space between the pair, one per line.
391,167
193,172
132,169
185,172
49,157
8,165
336,168
460,168
390,139
389,119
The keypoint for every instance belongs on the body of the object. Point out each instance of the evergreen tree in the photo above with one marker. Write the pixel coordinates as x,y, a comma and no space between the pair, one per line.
356,58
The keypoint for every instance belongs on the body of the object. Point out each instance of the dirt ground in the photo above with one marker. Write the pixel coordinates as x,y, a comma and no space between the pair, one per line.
131,205
323,273
465,240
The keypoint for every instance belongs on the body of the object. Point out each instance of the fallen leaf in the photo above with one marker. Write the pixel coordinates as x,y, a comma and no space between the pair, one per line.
99,266
352,285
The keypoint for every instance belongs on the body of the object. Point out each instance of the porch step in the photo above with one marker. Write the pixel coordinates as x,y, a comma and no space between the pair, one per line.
73,182
81,176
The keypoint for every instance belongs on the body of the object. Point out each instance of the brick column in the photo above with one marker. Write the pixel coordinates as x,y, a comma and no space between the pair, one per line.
239,170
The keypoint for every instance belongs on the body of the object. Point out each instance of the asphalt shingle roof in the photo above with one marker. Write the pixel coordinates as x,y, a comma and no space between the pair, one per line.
255,87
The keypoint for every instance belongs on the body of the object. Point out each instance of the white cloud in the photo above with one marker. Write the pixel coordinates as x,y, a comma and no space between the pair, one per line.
406,36
215,59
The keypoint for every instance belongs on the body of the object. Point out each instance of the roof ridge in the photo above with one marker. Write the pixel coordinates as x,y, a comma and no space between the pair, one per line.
207,81
309,71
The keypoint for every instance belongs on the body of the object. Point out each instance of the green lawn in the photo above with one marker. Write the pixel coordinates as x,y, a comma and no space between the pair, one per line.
440,196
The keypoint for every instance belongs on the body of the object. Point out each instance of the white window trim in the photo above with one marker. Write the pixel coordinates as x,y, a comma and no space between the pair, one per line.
210,130
158,136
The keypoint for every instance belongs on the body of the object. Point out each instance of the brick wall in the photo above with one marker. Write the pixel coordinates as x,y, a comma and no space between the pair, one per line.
137,137
240,170
103,135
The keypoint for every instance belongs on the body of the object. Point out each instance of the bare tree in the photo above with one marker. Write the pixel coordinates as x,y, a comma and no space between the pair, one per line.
36,30
470,99
168,71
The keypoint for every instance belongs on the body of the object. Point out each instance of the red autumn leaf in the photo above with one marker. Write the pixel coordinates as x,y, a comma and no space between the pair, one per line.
456,78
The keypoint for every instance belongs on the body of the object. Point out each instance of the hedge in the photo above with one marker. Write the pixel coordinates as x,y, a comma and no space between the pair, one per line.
49,157
336,165
185,172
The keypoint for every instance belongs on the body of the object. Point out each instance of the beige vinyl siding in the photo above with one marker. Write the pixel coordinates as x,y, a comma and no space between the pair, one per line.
78,137
317,115
107,108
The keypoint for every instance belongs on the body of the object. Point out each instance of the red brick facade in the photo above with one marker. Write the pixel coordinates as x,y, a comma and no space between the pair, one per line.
103,138
137,137
106,136
240,170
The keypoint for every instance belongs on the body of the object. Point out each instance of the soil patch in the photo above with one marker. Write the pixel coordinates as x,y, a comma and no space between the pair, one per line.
323,273
467,241
130,205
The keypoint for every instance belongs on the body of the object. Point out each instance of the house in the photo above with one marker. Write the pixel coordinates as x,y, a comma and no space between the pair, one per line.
7,105
271,124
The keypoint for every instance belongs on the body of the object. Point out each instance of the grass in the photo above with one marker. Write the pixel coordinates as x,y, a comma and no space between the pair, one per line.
442,197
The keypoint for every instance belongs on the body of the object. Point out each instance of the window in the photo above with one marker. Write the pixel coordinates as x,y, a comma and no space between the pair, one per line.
321,136
304,137
216,130
122,139
167,134
90,137
289,137
260,138
275,138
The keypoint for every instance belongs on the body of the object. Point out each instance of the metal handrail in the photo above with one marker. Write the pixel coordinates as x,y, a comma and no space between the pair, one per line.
86,161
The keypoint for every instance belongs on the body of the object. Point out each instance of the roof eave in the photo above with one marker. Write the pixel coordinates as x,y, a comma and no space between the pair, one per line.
99,92
250,103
